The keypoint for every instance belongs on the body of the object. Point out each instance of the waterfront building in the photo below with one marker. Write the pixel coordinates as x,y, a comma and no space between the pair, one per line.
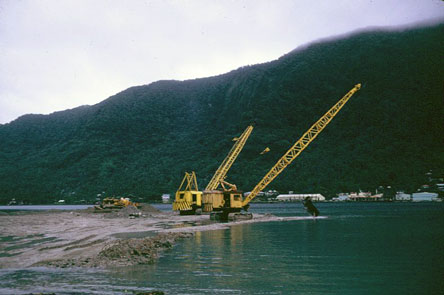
401,196
165,198
365,196
299,197
341,197
424,196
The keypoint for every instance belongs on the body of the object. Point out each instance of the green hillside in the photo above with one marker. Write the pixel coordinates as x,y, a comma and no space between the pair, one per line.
142,140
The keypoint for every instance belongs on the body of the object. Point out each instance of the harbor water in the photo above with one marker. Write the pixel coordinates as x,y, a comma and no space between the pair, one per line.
360,248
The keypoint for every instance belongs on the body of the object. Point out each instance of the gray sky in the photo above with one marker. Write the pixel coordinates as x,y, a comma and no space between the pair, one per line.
60,54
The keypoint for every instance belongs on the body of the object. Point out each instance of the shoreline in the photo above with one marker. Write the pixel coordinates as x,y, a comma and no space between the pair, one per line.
82,238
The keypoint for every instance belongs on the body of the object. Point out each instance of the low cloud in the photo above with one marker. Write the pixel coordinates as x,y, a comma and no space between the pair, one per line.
56,55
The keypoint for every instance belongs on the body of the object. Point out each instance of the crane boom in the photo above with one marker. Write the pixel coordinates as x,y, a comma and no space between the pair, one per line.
190,179
221,172
300,145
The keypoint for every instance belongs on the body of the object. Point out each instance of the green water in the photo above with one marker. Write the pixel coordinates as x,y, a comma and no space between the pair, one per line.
361,248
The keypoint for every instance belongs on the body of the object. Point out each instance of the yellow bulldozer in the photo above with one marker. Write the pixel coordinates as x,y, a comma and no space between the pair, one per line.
115,203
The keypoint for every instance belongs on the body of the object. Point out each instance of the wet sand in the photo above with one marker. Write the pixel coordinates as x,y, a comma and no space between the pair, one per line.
86,239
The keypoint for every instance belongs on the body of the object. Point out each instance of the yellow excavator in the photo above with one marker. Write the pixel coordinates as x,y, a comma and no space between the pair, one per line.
188,199
228,204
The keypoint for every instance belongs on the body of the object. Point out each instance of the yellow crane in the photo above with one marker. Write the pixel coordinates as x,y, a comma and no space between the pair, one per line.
222,171
231,201
188,200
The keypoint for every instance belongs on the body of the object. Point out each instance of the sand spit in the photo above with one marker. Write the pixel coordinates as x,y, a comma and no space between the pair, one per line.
87,239
122,252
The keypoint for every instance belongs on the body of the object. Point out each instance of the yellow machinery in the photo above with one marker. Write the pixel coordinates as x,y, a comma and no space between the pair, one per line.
229,202
187,205
188,199
114,203
222,171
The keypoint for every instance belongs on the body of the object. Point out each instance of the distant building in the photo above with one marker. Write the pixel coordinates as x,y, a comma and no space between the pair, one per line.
401,196
12,202
341,198
424,196
165,198
299,197
271,193
365,196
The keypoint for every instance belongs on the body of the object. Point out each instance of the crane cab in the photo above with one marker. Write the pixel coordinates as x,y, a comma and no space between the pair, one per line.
222,200
233,200
188,202
188,198
225,205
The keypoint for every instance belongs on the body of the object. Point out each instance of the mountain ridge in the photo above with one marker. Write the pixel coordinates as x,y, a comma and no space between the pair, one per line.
141,140
386,29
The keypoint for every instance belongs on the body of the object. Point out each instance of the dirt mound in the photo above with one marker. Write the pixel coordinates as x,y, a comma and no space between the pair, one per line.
144,210
138,251
125,212
144,207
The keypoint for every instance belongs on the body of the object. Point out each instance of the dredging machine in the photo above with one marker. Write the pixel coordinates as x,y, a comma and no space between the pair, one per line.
228,203
188,198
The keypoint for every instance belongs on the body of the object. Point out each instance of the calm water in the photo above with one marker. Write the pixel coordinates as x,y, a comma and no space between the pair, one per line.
43,207
381,248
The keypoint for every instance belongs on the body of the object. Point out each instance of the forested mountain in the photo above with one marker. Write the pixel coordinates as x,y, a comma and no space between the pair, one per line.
142,140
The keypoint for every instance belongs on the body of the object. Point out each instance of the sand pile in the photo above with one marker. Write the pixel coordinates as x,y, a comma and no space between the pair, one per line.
144,210
125,212
147,208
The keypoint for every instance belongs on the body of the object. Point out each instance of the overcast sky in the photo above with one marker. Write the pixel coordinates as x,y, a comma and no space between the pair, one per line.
60,54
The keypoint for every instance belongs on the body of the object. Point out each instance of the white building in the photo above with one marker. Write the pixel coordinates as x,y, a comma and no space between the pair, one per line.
299,197
341,198
365,196
424,196
401,196
165,198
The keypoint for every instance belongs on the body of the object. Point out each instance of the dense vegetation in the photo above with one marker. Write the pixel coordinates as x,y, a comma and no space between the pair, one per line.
142,140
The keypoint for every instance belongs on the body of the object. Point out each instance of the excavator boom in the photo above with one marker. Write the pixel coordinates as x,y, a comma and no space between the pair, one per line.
299,146
221,172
